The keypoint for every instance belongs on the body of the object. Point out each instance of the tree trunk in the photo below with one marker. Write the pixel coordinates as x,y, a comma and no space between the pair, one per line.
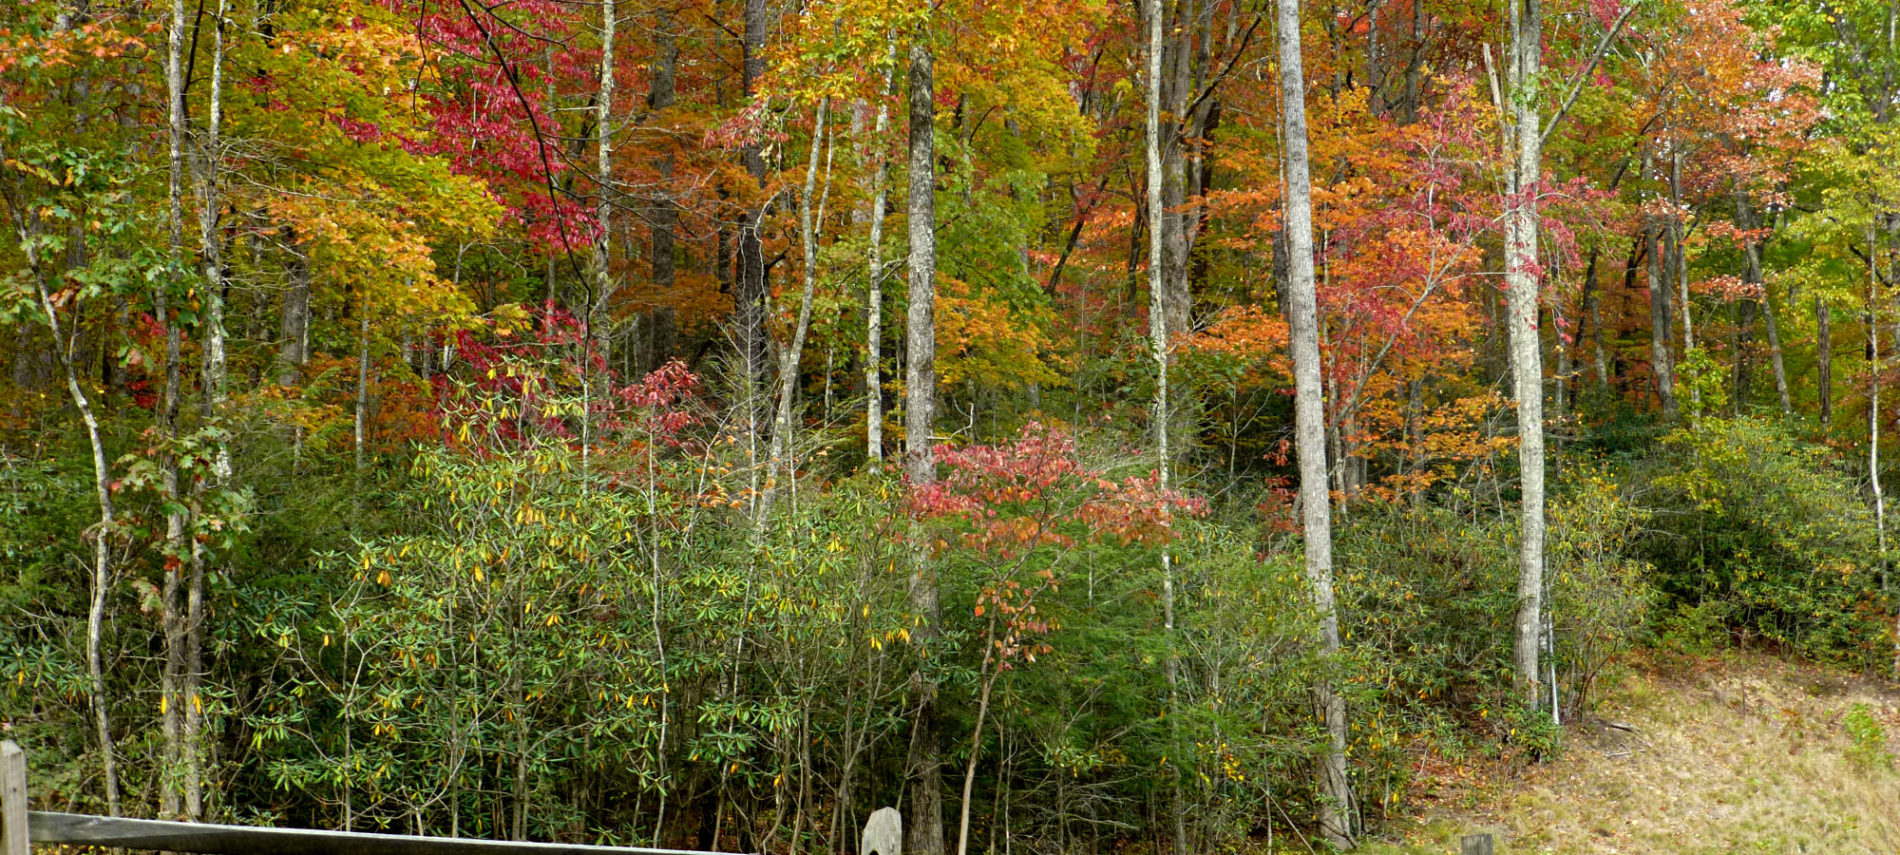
1824,360
1527,372
874,296
599,260
1166,255
1662,363
1593,315
750,288
27,225
1335,794
926,763
1679,253
215,398
810,218
361,425
596,329
171,619
1752,274
1873,406
293,333
662,324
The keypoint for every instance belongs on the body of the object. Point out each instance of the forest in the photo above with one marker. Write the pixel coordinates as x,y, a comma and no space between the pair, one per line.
1089,426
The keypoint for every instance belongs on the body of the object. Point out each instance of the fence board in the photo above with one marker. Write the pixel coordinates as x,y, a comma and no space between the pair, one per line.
51,827
13,821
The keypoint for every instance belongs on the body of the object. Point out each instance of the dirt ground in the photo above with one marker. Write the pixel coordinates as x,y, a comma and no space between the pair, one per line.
1741,753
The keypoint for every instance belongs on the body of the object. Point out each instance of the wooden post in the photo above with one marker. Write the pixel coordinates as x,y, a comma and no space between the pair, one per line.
13,838
883,834
1476,844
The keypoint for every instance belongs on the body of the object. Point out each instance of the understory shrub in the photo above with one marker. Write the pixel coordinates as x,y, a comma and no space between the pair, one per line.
1768,534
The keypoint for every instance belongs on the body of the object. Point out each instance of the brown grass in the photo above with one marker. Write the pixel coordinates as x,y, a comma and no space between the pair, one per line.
1739,754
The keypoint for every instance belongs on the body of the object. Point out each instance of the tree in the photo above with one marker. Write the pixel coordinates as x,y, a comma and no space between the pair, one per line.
1310,429
1522,287
1158,346
925,824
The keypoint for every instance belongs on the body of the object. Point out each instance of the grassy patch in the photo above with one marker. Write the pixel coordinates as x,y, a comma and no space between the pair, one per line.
1736,753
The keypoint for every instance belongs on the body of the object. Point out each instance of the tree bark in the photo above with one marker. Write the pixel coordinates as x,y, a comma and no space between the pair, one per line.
1752,274
293,332
599,260
810,218
1521,318
171,619
662,321
1679,252
750,287
874,292
215,396
1662,363
925,818
26,222
1166,254
1593,314
1335,793
1824,360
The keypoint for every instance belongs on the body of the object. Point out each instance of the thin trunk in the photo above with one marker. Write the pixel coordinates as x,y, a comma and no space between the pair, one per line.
1560,395
215,398
750,288
1873,409
1174,76
1752,275
926,764
1774,343
603,176
987,674
1824,360
1679,252
874,298
810,219
595,331
28,230
1335,803
293,348
1593,314
171,679
362,400
1166,236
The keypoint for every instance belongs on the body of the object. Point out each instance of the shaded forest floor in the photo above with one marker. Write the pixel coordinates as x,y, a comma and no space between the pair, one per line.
1741,753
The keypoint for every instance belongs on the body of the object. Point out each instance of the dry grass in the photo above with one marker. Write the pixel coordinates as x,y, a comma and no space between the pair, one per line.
1741,754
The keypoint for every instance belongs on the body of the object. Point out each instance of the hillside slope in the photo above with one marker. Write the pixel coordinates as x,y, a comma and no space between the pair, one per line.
1743,753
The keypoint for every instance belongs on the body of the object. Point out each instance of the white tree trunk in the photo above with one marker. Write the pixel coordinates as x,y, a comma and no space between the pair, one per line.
874,298
810,217
1309,408
1158,330
1527,370
215,396
171,617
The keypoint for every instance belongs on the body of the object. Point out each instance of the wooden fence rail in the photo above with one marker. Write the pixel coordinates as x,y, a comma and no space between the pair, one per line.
20,828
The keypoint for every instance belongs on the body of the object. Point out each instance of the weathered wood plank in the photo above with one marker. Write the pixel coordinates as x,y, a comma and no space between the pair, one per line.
14,839
883,833
1476,844
51,827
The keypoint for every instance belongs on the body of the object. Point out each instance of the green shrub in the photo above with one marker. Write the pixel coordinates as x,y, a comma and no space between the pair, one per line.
1868,738
1426,599
1599,596
1768,533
